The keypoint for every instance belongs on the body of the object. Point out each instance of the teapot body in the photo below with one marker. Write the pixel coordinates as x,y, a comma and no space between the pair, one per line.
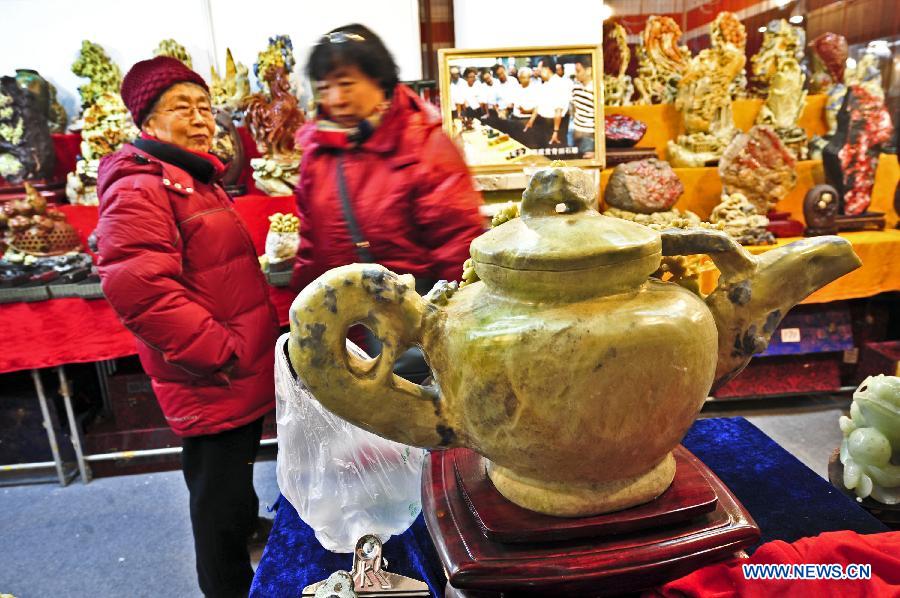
576,394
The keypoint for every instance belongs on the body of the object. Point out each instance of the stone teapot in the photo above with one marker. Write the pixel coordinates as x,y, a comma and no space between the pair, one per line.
570,369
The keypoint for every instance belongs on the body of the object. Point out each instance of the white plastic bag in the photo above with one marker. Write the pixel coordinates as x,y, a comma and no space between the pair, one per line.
344,481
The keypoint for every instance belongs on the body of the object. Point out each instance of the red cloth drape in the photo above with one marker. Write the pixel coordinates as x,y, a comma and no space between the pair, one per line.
881,551
60,331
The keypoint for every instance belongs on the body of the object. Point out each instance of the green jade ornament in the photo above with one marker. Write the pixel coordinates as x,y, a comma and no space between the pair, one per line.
566,366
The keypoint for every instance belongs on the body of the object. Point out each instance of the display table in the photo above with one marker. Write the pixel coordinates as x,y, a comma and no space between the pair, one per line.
56,332
787,500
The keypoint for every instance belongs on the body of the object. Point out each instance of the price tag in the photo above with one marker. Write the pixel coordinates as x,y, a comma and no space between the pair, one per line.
851,355
790,335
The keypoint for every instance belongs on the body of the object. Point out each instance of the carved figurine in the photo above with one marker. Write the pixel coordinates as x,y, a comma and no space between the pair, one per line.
228,148
757,165
872,440
783,106
172,49
231,91
820,206
546,366
26,148
867,75
781,41
661,61
829,57
103,74
273,121
107,126
58,119
33,229
851,156
617,86
278,54
704,101
727,29
741,220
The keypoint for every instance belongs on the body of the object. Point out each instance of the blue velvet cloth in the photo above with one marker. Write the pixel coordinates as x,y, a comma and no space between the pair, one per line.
787,500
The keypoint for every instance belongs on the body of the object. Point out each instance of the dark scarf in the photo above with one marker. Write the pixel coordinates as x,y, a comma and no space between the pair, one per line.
331,134
204,167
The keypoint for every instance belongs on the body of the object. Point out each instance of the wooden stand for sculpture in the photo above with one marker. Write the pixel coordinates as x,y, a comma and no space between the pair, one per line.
782,225
620,155
887,514
491,547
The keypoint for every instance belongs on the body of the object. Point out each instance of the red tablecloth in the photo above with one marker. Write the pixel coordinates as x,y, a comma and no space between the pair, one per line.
60,331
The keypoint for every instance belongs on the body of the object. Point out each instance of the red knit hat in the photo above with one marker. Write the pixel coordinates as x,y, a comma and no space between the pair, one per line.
149,79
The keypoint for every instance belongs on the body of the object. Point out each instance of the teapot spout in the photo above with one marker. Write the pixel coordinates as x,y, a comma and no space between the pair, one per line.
750,302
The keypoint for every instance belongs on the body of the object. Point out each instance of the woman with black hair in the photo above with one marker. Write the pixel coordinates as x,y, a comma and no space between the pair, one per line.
379,180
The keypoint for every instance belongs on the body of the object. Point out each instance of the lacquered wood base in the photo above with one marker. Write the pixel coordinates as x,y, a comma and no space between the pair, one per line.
616,553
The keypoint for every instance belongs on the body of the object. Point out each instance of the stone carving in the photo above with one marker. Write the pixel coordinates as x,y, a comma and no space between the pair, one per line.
867,75
757,165
820,206
623,131
564,294
783,106
107,126
26,149
58,119
273,121
829,57
781,42
45,96
643,186
33,229
172,49
661,61
871,439
103,74
278,54
704,100
617,86
851,156
741,220
230,91
727,30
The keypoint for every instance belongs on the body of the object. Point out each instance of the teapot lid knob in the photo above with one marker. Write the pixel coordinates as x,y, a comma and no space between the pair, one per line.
550,187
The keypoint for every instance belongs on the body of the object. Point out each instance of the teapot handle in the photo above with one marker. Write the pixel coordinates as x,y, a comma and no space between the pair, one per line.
366,392
733,261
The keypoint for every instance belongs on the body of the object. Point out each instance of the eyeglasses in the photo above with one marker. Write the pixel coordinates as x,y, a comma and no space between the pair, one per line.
340,37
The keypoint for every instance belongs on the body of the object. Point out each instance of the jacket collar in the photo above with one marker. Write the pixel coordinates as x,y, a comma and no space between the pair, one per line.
202,167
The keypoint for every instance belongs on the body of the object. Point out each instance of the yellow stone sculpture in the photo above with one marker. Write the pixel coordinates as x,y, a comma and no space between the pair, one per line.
230,91
618,87
781,41
566,366
727,30
704,101
661,61
172,49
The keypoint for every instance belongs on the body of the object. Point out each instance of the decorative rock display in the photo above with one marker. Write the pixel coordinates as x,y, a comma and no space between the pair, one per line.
229,92
172,49
871,438
704,100
781,42
278,54
829,57
850,158
623,131
103,74
741,220
26,148
783,106
617,86
820,206
727,30
661,61
29,227
757,165
643,186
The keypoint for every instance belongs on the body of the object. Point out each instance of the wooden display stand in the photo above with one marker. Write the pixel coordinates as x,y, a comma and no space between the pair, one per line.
887,514
491,547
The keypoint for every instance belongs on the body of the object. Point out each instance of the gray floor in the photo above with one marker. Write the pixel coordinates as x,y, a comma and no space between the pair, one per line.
130,536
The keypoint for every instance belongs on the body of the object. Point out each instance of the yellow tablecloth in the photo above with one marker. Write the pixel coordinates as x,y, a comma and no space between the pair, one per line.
879,273
664,121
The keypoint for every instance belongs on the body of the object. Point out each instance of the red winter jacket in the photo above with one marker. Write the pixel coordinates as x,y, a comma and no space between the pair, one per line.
411,193
180,269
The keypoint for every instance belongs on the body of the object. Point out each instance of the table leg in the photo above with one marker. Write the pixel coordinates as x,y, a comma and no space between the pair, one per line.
74,430
48,425
103,378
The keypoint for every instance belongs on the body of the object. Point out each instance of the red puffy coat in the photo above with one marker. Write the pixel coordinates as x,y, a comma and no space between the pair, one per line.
180,269
411,193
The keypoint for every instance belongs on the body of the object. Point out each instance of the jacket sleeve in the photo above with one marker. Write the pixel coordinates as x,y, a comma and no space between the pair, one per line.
140,267
446,209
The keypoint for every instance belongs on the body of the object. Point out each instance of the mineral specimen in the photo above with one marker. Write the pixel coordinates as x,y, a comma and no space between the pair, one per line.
231,91
829,58
741,220
58,119
26,148
704,100
727,30
617,86
661,61
623,131
757,165
172,49
643,186
850,158
104,75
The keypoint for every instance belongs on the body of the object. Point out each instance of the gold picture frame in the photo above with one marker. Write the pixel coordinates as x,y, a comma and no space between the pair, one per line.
499,142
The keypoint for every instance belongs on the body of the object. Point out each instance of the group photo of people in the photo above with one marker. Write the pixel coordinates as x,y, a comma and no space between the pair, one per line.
504,108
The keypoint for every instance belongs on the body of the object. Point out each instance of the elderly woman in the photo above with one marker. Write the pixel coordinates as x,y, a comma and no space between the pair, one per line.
178,266
379,181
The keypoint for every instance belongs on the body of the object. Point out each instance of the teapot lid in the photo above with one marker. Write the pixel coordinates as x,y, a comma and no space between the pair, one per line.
559,231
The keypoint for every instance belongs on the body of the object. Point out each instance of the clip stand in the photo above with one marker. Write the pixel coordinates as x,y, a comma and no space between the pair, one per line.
368,577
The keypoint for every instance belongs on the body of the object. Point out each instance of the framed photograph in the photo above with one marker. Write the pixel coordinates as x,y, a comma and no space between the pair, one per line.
512,108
